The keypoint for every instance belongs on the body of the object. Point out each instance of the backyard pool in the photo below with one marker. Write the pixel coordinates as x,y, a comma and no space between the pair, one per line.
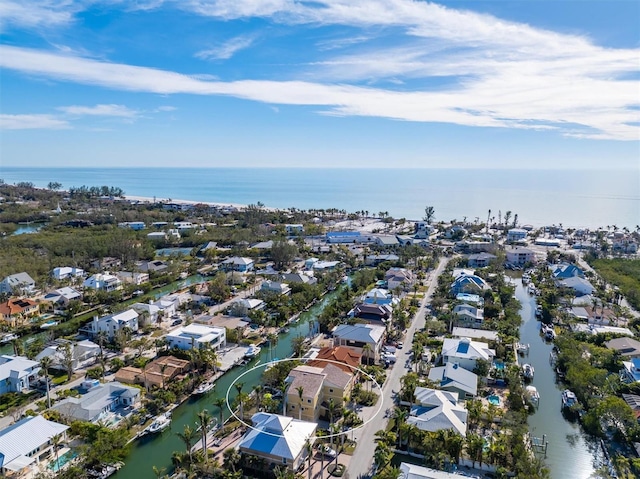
57,465
493,399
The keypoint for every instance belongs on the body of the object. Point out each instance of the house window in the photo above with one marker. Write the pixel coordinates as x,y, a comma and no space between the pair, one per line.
309,400
284,460
330,390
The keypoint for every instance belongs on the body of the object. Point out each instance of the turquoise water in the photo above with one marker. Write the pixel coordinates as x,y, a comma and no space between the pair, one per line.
170,251
55,466
493,399
572,197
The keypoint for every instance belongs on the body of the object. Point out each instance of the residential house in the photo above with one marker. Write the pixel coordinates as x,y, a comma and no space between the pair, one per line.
157,236
15,311
627,347
26,446
135,278
367,339
386,241
16,284
83,353
299,278
322,265
155,310
98,402
17,373
197,336
423,230
520,256
112,323
565,270
477,246
275,287
516,234
466,352
157,373
378,296
239,264
456,231
436,410
469,315
452,377
633,400
347,359
66,272
376,259
263,245
580,285
372,313
107,263
133,225
310,390
470,298
630,372
399,278
480,260
294,229
155,266
60,298
625,245
280,440
341,237
103,282
411,471
468,283
458,332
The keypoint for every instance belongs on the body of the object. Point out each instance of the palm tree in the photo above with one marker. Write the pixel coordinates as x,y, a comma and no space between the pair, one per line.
366,350
309,449
219,403
238,387
232,458
45,364
400,416
300,390
429,214
188,436
382,455
205,420
55,442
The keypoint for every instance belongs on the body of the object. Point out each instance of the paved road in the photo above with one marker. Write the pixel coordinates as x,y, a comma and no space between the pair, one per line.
362,460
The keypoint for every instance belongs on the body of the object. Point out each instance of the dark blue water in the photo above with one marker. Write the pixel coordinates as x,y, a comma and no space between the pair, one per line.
540,197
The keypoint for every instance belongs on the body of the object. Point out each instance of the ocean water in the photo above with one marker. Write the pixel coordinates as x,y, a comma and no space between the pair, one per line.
540,197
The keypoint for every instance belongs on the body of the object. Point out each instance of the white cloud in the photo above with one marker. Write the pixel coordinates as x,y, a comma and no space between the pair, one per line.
36,13
32,122
227,49
100,110
166,108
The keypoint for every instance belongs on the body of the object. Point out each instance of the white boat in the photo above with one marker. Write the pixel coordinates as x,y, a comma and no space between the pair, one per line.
49,324
528,371
533,395
162,422
5,338
568,398
203,388
522,348
252,351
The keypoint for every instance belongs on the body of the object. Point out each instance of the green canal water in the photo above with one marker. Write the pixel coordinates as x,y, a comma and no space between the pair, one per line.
156,450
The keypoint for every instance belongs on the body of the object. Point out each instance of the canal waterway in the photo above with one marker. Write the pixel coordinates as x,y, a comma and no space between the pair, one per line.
156,450
571,453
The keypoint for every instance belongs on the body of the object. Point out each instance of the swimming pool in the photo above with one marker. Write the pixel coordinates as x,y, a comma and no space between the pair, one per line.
493,399
55,466
499,365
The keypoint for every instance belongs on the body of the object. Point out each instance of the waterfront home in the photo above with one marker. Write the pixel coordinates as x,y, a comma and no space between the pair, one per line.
16,311
103,282
294,229
61,297
299,278
630,372
328,265
275,287
480,260
379,314
66,272
486,334
17,373
378,296
106,264
197,336
626,347
399,278
96,404
520,256
565,270
469,315
468,283
411,471
165,307
423,229
466,352
155,266
376,259
157,373
19,283
27,446
83,354
470,298
280,440
343,237
348,358
357,336
436,410
452,377
128,277
516,234
581,286
112,323
238,263
318,386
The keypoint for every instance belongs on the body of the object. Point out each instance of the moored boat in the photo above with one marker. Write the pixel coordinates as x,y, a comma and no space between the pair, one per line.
252,351
528,372
522,348
161,422
568,398
533,395
203,388
5,338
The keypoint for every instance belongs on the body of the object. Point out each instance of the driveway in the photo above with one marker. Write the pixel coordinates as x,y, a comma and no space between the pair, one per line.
362,460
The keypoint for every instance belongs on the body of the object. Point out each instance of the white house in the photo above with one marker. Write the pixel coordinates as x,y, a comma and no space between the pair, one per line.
275,287
520,256
630,372
197,336
411,471
238,263
468,283
470,315
481,260
103,282
436,410
27,443
378,296
294,228
98,402
452,377
485,334
516,234
83,353
399,278
358,335
580,285
17,373
423,230
466,352
63,296
17,283
135,278
66,272
112,323
281,440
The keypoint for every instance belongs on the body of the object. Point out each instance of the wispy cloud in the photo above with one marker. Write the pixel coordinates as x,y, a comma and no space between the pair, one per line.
166,108
227,49
36,13
32,122
100,110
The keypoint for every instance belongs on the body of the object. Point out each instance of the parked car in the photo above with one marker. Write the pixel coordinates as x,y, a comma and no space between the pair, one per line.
327,451
400,344
176,322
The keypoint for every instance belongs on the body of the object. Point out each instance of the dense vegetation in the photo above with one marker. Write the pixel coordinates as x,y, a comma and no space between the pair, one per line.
623,273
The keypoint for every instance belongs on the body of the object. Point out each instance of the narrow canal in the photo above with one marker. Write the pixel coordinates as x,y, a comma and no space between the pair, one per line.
156,450
571,453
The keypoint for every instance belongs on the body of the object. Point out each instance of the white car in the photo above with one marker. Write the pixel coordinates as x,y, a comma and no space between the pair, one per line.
327,451
400,344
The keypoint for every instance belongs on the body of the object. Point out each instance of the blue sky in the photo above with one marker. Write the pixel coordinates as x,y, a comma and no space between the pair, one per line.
375,83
